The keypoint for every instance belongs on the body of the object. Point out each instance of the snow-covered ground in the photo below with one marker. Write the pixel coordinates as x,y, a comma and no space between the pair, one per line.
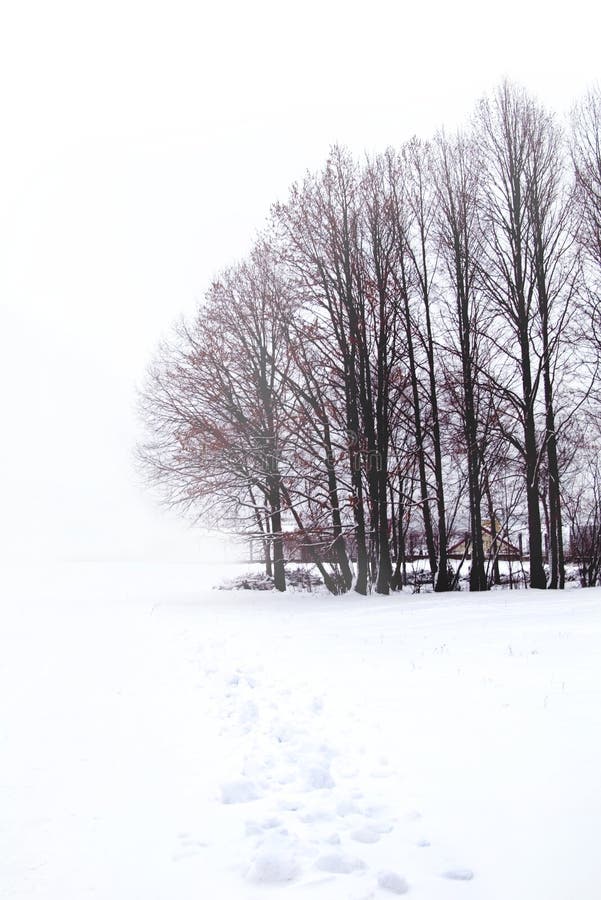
163,741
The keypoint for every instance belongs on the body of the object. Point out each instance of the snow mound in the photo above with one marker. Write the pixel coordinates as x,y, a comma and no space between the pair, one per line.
241,790
273,866
346,807
275,860
393,882
365,835
318,778
339,863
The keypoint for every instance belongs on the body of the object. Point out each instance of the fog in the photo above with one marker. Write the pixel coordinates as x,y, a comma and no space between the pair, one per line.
142,146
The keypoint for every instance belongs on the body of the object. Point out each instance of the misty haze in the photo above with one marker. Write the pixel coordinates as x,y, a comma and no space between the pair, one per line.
300,552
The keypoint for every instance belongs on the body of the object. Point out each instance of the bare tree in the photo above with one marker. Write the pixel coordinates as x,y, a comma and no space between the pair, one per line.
399,343
320,227
555,271
422,199
504,131
457,177
214,402
586,158
413,210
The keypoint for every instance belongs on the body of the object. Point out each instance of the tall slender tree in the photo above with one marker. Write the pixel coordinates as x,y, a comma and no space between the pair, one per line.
504,126
457,179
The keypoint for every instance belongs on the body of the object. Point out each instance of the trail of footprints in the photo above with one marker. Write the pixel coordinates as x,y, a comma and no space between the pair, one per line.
188,846
307,820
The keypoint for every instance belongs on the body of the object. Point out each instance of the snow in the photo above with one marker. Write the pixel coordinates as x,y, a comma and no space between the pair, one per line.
394,882
162,740
339,863
459,874
241,790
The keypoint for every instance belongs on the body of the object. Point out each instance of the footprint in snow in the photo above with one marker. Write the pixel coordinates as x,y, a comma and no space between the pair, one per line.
347,807
382,827
188,846
458,874
248,712
273,867
375,810
339,863
318,778
290,805
241,790
278,857
365,835
393,882
316,815
253,827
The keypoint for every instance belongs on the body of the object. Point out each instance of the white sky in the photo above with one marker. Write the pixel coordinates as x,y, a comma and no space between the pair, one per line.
141,145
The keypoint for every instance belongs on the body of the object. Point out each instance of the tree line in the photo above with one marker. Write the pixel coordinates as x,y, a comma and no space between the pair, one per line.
411,347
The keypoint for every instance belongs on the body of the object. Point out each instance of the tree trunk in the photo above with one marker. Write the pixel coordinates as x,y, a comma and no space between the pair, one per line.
279,574
399,575
538,578
496,574
419,437
339,546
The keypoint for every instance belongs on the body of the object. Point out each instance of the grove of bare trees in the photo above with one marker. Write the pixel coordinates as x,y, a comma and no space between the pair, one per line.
405,366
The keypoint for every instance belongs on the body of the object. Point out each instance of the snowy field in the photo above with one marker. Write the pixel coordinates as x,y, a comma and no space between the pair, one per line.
163,741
